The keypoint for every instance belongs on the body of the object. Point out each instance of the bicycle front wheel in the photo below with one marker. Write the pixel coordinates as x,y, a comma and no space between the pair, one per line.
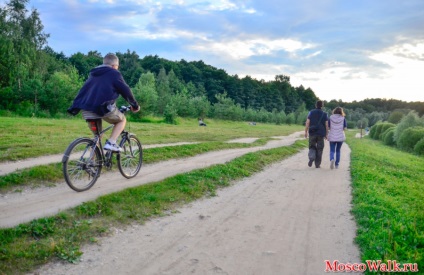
82,164
131,158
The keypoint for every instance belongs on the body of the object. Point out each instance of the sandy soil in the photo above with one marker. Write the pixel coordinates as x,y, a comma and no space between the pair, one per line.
287,219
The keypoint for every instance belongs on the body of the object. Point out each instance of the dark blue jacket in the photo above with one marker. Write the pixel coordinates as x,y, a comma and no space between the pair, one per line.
317,126
102,88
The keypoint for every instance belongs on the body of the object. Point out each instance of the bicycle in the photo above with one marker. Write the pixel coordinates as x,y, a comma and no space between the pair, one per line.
85,157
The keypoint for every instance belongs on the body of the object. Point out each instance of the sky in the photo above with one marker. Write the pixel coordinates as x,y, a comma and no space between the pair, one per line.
342,49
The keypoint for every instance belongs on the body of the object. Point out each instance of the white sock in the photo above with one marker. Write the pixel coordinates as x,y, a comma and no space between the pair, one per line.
112,141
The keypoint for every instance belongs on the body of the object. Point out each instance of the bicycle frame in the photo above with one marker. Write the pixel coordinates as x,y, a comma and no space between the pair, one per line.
107,158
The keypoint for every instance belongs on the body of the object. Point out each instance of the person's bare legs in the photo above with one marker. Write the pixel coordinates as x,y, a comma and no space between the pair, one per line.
117,129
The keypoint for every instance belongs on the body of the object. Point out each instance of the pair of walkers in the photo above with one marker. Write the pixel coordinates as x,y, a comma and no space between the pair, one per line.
319,127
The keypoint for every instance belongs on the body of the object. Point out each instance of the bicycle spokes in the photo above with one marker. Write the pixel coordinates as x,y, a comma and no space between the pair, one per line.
82,169
130,159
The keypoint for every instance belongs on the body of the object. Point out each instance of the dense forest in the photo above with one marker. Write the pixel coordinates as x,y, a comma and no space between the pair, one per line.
35,80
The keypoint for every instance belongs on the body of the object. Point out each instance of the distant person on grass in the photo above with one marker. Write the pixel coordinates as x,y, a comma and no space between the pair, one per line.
98,95
337,125
316,127
201,123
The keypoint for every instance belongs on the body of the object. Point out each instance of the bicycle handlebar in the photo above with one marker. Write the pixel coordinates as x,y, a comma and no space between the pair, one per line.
125,109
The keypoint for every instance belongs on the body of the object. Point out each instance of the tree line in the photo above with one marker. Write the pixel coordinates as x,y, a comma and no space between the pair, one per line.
35,80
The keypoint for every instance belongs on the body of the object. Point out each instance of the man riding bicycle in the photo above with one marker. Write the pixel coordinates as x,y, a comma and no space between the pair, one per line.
97,98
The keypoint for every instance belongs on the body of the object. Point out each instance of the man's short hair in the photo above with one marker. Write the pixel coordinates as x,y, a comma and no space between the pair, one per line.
111,59
319,104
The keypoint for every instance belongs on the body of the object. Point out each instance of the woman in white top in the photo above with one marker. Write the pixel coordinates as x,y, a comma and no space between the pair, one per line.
337,125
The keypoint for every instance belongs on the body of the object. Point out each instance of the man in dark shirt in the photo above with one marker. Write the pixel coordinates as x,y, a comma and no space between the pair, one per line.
98,95
316,127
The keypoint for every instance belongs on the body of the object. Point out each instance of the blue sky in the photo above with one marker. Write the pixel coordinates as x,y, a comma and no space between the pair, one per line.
341,49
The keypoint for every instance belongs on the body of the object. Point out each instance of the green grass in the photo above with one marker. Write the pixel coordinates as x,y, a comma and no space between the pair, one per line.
388,188
31,137
388,202
26,246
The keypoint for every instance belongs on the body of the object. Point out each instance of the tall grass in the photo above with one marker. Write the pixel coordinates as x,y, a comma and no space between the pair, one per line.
388,202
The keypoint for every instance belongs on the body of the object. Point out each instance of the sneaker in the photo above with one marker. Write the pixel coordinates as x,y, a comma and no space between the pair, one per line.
332,164
113,147
337,167
310,163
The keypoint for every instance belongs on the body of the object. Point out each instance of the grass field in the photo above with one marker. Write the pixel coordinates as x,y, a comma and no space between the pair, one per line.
388,189
31,137
388,202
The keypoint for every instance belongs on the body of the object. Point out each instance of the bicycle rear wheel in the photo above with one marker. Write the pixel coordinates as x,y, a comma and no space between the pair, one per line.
131,158
82,164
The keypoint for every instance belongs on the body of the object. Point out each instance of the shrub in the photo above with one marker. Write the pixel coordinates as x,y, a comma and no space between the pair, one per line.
383,127
395,117
350,124
410,120
419,147
373,131
279,117
409,138
380,128
170,114
290,119
387,136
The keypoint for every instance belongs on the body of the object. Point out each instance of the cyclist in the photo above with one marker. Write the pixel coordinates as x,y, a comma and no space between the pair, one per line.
97,98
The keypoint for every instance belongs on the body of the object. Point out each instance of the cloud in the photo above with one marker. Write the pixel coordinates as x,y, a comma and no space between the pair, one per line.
396,72
411,50
204,7
242,49
405,62
351,48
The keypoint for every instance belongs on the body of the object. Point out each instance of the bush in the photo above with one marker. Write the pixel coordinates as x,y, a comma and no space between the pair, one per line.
373,130
170,114
410,120
387,136
383,127
410,137
350,124
419,147
377,130
290,119
395,117
279,118
380,128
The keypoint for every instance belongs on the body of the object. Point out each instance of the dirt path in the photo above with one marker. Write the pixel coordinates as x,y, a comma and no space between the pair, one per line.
36,203
287,219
